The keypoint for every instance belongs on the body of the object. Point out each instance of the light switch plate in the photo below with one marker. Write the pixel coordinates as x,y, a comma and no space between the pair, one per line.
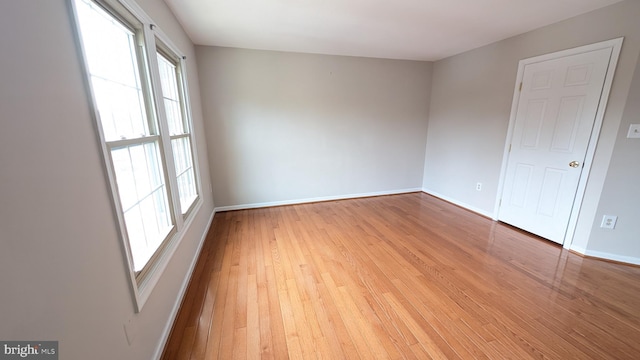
634,131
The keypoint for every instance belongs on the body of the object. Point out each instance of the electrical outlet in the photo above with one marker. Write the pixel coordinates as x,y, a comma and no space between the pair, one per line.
479,186
634,131
609,222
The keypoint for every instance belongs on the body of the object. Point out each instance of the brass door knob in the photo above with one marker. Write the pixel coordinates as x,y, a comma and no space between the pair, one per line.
574,164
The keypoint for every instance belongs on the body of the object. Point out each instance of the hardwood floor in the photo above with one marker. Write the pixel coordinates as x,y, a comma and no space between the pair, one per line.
402,276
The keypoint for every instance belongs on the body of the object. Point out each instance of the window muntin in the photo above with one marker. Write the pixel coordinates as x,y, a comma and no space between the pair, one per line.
147,149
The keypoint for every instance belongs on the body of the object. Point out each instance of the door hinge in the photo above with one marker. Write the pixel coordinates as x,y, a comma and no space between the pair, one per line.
500,202
509,147
520,87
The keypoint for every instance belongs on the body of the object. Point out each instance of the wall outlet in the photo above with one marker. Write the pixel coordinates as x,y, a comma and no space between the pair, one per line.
634,131
479,186
609,222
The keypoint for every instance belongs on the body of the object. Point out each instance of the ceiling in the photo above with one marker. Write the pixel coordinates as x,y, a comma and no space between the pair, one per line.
394,29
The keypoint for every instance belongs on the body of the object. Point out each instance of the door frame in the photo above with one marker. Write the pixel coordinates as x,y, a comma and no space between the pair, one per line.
615,45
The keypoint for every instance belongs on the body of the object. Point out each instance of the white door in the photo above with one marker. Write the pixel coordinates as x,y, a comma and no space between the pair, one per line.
555,116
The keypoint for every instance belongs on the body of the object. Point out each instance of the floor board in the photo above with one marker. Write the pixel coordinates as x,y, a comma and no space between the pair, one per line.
400,277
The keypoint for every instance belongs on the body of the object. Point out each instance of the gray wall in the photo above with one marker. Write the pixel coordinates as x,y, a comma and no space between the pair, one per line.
621,193
62,265
289,127
471,102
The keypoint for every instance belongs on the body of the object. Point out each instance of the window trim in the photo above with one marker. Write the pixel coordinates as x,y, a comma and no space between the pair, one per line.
143,282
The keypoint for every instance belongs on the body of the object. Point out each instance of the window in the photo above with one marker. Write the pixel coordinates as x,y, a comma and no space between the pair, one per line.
144,124
170,77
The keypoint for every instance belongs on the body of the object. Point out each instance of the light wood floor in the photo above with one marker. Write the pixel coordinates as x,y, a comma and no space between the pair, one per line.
403,276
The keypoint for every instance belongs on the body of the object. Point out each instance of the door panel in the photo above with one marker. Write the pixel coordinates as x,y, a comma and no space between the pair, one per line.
522,180
551,185
533,124
554,120
567,125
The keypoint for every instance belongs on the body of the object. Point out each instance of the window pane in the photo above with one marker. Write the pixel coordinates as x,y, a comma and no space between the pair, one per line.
171,95
184,172
143,195
110,49
121,110
181,146
135,230
126,179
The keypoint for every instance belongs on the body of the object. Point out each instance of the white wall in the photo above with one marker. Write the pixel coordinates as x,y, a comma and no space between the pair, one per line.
62,267
288,127
471,101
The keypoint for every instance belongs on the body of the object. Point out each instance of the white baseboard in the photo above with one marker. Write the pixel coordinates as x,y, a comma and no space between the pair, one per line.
183,289
460,203
316,199
607,256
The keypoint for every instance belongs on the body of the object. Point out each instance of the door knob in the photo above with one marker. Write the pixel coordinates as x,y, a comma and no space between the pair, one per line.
574,164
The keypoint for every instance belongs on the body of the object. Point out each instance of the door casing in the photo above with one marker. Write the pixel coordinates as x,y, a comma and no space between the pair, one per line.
615,45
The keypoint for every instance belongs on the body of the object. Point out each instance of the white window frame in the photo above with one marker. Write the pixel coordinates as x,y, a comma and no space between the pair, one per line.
143,282
169,52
